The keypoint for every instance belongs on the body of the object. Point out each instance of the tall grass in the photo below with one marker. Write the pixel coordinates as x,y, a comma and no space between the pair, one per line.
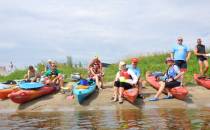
155,62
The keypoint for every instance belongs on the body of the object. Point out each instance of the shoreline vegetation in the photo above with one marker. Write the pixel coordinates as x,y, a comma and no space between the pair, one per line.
154,62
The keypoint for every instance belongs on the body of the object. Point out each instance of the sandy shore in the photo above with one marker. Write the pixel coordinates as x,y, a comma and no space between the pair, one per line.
197,98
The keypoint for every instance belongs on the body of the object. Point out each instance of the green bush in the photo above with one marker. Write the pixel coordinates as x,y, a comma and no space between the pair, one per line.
155,62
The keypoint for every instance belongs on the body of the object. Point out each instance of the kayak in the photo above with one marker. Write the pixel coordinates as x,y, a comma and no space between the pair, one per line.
205,82
31,85
5,90
81,91
177,92
23,96
131,94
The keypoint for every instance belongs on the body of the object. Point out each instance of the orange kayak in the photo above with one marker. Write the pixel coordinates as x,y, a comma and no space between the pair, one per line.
177,92
5,92
202,81
131,94
23,96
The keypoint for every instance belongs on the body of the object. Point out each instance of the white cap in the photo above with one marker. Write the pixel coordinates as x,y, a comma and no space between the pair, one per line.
49,60
122,63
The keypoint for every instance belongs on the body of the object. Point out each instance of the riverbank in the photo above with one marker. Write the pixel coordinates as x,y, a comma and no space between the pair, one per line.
197,98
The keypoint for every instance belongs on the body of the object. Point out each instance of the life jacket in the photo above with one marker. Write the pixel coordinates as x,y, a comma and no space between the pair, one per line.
171,73
125,74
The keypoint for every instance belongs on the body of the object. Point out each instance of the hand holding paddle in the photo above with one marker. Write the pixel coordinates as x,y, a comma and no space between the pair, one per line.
208,55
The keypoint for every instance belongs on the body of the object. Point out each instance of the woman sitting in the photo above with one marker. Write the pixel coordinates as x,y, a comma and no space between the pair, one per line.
171,79
125,79
31,75
96,73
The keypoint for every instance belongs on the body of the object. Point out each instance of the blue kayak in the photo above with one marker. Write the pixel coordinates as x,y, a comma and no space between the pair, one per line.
31,85
82,91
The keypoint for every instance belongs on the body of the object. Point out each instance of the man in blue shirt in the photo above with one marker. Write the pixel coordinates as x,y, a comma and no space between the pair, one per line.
181,54
133,67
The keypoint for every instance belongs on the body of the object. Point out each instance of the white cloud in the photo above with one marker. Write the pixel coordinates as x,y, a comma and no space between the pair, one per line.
7,45
112,29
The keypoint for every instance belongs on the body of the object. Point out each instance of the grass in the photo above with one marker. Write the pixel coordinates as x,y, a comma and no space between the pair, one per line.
155,62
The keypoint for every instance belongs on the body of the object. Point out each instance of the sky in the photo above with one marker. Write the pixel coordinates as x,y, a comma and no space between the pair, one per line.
32,31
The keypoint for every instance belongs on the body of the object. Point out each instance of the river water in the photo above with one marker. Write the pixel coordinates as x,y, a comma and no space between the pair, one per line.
149,119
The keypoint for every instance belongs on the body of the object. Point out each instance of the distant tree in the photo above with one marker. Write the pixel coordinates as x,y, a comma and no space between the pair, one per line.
80,64
69,61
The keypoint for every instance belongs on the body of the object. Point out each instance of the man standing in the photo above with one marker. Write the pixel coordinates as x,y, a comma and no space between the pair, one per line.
181,55
200,52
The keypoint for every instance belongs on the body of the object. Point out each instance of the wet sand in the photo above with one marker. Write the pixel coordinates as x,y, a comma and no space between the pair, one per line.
198,98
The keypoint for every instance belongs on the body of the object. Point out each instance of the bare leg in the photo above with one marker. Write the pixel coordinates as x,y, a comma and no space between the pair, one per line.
101,80
97,82
160,90
206,66
168,92
121,90
201,67
61,83
115,93
139,86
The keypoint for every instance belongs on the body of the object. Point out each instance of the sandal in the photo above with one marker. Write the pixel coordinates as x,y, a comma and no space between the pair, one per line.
140,96
153,99
114,99
168,97
120,100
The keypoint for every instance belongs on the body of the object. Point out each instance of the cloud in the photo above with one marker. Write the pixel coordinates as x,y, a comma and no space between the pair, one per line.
112,29
8,45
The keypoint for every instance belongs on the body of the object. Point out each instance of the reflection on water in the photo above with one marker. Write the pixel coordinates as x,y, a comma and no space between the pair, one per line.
151,119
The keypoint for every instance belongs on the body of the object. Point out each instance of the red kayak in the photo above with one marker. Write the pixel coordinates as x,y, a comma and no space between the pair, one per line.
23,96
131,94
5,92
177,92
205,82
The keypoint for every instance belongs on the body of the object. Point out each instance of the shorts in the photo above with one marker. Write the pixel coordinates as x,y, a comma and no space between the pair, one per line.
172,84
181,64
122,84
202,58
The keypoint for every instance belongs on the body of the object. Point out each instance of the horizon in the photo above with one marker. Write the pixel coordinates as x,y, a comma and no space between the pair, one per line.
35,31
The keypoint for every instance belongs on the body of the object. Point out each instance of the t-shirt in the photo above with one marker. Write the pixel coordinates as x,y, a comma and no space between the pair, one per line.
136,70
180,52
50,73
201,49
48,67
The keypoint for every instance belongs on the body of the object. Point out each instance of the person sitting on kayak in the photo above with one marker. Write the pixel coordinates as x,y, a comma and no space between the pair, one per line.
96,72
125,79
133,67
54,76
171,79
200,52
31,75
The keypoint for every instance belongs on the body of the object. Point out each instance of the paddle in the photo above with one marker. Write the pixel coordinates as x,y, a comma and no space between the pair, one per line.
208,55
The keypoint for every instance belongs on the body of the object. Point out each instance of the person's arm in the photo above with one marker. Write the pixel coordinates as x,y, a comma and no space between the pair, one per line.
28,74
134,79
91,71
196,52
188,56
172,53
117,76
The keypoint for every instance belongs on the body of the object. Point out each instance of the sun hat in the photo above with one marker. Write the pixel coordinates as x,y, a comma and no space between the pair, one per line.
121,64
